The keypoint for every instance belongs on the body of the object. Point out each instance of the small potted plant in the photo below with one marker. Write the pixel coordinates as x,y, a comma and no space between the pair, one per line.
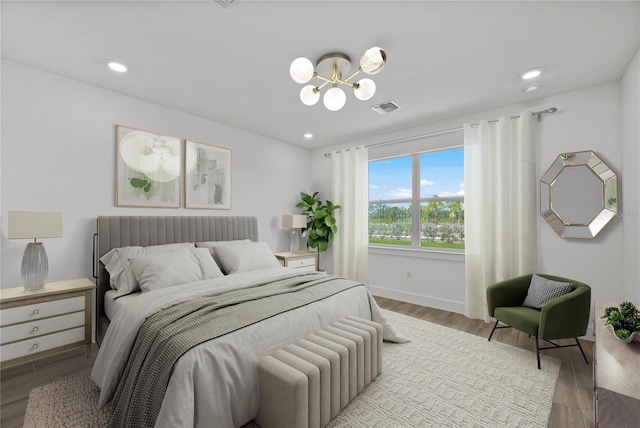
625,321
321,224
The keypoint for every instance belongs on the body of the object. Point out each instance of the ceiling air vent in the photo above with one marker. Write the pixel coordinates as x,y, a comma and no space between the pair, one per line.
386,107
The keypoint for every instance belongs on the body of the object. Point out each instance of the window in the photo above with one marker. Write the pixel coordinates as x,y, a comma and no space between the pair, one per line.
418,200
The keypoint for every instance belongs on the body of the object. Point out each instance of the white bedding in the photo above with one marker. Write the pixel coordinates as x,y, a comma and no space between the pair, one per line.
215,384
111,304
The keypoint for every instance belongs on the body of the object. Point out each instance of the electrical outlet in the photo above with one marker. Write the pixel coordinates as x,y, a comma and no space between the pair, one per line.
409,274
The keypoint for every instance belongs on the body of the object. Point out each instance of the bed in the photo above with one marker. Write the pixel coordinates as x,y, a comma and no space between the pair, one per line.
213,383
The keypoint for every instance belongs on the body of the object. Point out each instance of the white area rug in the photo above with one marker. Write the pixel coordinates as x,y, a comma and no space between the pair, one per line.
442,378
448,378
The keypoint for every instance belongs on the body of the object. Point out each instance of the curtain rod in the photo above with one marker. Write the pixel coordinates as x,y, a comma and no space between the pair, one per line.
550,110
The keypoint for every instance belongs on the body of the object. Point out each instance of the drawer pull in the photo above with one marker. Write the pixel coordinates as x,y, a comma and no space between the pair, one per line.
36,312
35,329
35,345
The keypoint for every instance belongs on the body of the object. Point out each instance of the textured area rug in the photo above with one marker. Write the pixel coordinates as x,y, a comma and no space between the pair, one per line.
448,378
68,403
442,378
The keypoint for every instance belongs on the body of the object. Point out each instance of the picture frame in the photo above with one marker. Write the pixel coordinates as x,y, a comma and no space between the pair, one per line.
207,176
148,169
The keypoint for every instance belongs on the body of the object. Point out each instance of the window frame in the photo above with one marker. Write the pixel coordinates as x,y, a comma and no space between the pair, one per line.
416,203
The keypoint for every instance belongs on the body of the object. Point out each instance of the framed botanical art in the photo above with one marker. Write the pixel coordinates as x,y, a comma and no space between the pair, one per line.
148,169
207,176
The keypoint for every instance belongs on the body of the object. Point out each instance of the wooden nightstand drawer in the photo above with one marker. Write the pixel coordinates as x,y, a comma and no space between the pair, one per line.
41,343
299,263
41,327
303,260
41,310
311,268
45,321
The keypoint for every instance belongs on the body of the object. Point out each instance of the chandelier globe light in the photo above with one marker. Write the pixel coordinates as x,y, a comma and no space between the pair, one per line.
332,69
309,96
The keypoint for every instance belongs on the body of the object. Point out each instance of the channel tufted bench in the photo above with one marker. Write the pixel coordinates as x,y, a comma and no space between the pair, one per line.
306,384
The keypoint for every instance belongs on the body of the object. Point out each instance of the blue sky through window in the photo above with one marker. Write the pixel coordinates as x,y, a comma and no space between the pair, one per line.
441,173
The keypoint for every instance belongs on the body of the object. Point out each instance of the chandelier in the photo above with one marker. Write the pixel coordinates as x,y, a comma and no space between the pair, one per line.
331,68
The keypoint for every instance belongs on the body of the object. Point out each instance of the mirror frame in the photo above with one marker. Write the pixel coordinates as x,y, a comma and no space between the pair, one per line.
609,195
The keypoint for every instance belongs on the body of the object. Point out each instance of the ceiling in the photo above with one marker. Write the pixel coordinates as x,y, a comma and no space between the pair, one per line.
231,64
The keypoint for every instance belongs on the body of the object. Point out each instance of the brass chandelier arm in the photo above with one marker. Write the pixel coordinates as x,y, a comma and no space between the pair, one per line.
354,74
326,79
336,79
323,85
346,82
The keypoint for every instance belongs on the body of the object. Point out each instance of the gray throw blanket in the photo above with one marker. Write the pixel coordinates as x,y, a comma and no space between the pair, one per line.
167,335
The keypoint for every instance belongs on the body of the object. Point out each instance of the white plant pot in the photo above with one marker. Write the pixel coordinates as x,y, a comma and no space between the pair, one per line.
635,336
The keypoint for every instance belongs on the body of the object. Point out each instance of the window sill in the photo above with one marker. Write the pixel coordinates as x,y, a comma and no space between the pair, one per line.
421,253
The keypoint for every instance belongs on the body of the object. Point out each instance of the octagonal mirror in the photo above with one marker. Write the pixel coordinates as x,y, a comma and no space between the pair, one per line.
578,195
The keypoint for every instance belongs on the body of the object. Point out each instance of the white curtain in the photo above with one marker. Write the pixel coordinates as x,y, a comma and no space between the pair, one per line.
500,206
350,189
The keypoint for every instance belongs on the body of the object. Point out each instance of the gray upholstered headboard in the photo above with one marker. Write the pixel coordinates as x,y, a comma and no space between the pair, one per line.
123,231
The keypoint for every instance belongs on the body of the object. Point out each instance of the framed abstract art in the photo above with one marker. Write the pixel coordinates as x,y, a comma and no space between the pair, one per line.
207,176
148,169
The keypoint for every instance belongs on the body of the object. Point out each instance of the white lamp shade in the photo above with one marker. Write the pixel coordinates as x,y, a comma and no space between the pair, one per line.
292,221
373,60
34,224
308,96
301,70
365,90
334,99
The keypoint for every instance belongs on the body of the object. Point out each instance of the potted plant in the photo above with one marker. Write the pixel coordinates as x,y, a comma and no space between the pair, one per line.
321,224
625,321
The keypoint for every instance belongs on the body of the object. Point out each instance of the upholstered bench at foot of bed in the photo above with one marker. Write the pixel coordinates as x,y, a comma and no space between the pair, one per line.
307,384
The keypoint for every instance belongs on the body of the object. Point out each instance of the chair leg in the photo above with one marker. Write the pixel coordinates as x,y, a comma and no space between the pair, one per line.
494,329
583,355
538,351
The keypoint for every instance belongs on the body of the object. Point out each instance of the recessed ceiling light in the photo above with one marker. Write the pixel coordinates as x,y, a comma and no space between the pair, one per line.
532,87
308,135
117,66
531,73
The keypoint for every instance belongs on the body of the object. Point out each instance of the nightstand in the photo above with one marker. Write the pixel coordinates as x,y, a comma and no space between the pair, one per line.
37,323
303,260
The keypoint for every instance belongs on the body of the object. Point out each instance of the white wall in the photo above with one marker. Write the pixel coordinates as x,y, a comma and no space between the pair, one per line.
58,154
588,119
631,179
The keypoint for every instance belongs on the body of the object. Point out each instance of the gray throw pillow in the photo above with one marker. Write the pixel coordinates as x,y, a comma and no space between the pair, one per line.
543,290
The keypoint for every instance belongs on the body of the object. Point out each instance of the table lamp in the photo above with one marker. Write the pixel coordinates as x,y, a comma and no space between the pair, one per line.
294,222
34,225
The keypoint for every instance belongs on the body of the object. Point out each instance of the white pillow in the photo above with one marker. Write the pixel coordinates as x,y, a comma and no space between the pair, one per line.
116,262
165,269
211,245
208,266
160,270
244,258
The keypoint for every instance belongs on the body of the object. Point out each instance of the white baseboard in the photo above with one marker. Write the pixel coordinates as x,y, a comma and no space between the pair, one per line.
418,299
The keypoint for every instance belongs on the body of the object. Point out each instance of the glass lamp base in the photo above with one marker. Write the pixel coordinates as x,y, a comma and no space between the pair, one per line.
294,243
35,266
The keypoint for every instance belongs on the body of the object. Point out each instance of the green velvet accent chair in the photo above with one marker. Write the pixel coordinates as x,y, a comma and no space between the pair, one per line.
561,318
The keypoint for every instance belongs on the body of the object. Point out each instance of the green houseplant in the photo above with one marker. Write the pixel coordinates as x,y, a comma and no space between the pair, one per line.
321,224
625,321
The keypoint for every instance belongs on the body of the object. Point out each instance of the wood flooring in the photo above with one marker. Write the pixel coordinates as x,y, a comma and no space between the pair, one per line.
572,403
